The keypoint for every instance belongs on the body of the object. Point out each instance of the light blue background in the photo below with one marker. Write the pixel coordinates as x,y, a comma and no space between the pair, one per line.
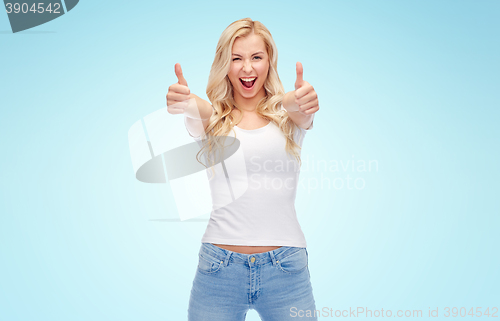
411,84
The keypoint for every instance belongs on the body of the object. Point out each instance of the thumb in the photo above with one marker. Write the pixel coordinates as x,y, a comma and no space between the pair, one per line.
300,72
180,76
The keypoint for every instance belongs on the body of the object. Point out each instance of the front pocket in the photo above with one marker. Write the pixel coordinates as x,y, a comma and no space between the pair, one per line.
208,264
294,263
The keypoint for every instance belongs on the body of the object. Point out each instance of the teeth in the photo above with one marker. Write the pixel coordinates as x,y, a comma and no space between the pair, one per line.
248,79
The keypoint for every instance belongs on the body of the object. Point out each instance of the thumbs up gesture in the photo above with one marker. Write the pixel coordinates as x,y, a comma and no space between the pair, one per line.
305,96
178,95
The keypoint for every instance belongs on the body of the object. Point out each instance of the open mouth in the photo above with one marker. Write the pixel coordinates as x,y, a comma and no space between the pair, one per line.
248,82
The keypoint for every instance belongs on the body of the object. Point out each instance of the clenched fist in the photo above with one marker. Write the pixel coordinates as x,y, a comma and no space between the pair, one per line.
305,96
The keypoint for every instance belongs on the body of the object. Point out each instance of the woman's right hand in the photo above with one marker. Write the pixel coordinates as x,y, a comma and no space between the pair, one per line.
178,94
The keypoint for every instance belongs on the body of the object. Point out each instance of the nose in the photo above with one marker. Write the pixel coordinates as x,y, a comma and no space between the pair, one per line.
247,66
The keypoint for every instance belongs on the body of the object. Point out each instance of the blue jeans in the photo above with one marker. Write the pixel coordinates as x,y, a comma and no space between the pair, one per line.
276,284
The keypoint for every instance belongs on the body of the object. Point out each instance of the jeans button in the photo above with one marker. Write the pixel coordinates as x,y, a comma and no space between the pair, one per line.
252,259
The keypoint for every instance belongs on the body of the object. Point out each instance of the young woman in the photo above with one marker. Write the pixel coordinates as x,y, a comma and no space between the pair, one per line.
253,253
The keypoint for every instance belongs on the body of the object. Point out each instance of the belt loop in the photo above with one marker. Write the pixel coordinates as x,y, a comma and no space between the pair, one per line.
271,253
226,260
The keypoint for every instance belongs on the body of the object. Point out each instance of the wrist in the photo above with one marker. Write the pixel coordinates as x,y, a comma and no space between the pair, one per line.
289,102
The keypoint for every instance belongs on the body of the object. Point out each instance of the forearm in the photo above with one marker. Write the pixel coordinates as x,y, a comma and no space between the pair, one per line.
198,108
300,119
197,115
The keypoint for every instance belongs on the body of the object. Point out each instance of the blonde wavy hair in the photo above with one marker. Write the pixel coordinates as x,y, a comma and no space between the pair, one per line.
220,91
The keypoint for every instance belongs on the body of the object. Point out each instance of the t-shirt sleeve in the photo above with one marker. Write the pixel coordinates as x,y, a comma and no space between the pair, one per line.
300,133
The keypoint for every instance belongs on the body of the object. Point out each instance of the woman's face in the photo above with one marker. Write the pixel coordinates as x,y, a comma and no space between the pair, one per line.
249,62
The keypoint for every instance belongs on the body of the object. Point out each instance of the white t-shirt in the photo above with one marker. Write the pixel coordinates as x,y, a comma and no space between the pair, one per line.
264,215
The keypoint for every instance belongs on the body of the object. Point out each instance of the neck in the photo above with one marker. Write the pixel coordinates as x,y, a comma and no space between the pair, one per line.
249,104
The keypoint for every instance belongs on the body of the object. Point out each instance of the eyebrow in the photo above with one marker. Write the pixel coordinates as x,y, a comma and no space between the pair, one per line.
258,52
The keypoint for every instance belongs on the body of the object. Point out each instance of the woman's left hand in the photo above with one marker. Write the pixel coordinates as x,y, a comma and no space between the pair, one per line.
305,96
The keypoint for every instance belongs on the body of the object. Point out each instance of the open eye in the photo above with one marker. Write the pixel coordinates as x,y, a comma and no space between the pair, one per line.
257,57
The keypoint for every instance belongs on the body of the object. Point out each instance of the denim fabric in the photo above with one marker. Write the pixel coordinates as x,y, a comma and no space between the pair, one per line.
276,284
